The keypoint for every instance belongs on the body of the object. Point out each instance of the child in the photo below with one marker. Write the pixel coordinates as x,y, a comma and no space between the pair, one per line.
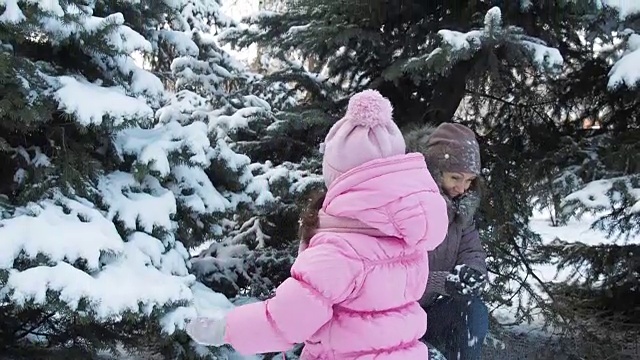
354,289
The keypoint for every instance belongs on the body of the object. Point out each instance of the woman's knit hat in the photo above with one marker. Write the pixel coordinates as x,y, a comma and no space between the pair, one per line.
366,132
453,148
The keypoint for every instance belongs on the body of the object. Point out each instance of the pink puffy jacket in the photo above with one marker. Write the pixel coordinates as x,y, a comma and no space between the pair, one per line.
353,293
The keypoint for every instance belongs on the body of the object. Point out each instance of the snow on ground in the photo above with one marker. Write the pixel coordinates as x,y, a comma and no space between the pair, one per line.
575,230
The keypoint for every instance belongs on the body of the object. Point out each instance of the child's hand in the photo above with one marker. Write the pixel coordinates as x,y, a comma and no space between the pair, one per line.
207,331
465,281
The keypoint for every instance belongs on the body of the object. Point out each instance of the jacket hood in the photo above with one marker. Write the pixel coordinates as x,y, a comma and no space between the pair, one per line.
396,196
416,138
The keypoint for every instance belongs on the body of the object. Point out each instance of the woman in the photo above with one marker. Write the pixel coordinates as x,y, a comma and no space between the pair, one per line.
458,320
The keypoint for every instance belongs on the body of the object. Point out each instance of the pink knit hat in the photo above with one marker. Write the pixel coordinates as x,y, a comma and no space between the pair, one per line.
366,132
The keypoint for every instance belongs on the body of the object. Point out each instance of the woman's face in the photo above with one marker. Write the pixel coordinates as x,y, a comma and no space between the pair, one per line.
456,184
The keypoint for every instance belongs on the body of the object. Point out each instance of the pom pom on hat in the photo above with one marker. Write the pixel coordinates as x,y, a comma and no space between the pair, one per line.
369,108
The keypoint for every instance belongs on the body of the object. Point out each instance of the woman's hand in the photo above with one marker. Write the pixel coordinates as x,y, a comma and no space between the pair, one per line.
465,281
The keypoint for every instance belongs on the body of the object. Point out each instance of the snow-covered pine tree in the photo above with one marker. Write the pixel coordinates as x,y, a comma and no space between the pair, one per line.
292,177
383,44
97,192
427,57
231,216
593,175
505,106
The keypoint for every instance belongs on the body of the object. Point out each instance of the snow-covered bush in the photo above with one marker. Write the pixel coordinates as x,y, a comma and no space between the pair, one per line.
107,178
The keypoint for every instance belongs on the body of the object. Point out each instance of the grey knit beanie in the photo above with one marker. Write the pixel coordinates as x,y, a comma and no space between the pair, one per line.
453,148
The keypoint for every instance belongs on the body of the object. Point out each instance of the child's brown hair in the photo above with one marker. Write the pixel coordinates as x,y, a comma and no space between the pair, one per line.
309,217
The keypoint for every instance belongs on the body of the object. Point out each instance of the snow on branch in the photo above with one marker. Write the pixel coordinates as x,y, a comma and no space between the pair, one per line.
153,147
457,46
70,233
135,208
73,93
626,71
58,233
615,200
13,14
625,8
95,35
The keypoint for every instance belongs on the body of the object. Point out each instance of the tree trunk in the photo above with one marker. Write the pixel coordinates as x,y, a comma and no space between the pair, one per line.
441,97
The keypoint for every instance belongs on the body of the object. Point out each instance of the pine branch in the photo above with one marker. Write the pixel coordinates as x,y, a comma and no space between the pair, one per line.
35,326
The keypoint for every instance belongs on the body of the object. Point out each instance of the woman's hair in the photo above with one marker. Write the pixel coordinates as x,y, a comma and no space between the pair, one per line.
309,217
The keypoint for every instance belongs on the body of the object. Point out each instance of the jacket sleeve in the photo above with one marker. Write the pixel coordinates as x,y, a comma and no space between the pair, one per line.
471,252
435,287
325,274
